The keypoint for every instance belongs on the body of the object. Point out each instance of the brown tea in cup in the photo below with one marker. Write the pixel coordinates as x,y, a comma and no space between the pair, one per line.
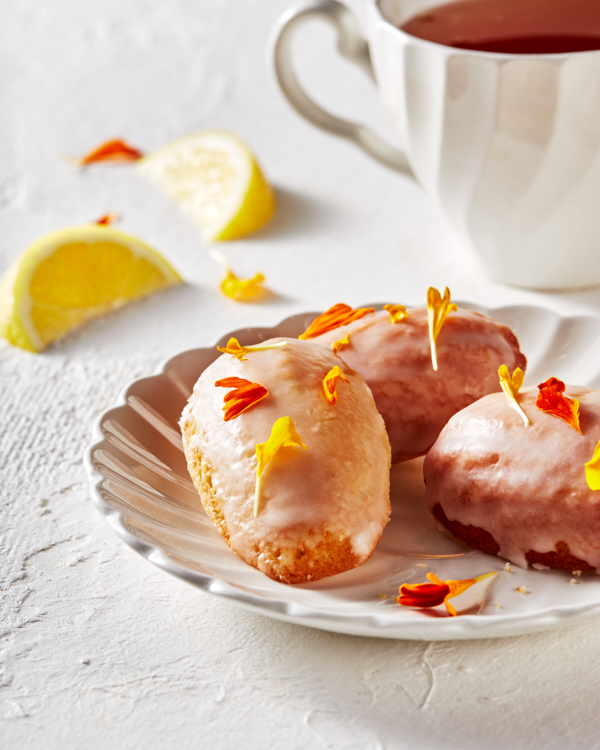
515,27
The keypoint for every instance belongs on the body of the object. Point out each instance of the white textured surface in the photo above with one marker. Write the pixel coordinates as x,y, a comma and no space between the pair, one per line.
169,667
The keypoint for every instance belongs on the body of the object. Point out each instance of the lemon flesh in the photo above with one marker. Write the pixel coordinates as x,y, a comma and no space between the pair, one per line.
73,275
216,180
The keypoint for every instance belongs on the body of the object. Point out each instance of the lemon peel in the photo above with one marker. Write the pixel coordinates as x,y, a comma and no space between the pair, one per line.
73,275
510,386
216,180
234,287
283,435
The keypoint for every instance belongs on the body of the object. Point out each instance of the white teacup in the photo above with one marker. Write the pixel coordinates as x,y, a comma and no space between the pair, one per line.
508,145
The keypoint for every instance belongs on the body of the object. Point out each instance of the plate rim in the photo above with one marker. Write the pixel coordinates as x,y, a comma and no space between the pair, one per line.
466,627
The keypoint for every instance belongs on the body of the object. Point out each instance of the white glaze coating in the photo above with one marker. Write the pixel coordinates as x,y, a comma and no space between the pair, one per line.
339,484
395,360
525,485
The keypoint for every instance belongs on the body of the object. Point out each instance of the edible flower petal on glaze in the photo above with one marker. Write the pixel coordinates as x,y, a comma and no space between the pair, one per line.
245,395
283,435
592,469
341,343
397,313
336,316
511,386
330,383
551,400
438,308
237,350
234,287
425,595
116,151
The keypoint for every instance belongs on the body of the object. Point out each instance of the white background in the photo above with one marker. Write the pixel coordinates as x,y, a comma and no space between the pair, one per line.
97,648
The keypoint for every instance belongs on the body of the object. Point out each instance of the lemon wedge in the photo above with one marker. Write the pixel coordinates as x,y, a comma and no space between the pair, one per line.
73,275
216,180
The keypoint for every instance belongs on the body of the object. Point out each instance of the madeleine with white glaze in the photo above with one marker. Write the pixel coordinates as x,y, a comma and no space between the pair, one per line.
414,400
323,509
517,490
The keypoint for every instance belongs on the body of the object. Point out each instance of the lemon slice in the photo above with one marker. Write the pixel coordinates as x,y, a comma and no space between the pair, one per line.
73,275
216,180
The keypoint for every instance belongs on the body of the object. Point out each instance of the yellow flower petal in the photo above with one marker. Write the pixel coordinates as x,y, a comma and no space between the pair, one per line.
437,311
330,383
397,313
234,287
592,469
283,435
511,386
341,343
233,347
242,288
237,350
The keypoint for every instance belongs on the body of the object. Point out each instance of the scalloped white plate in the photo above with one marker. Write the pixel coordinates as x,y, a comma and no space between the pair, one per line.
140,484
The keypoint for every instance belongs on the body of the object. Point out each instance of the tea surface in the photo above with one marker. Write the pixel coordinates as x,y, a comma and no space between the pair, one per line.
522,27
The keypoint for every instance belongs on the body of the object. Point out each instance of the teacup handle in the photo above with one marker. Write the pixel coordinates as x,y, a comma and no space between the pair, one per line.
353,47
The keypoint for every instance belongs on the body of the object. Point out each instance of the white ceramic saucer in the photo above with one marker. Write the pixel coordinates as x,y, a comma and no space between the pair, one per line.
140,484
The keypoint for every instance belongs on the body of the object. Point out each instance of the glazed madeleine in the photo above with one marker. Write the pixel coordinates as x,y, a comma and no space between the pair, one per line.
518,490
321,501
395,360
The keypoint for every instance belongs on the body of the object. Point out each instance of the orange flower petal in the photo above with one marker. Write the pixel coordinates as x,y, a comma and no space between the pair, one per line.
283,435
341,343
438,309
551,400
510,386
397,313
237,350
244,395
437,592
336,316
423,594
107,219
111,151
231,382
330,383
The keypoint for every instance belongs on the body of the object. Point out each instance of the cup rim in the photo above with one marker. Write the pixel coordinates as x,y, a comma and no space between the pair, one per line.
480,53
